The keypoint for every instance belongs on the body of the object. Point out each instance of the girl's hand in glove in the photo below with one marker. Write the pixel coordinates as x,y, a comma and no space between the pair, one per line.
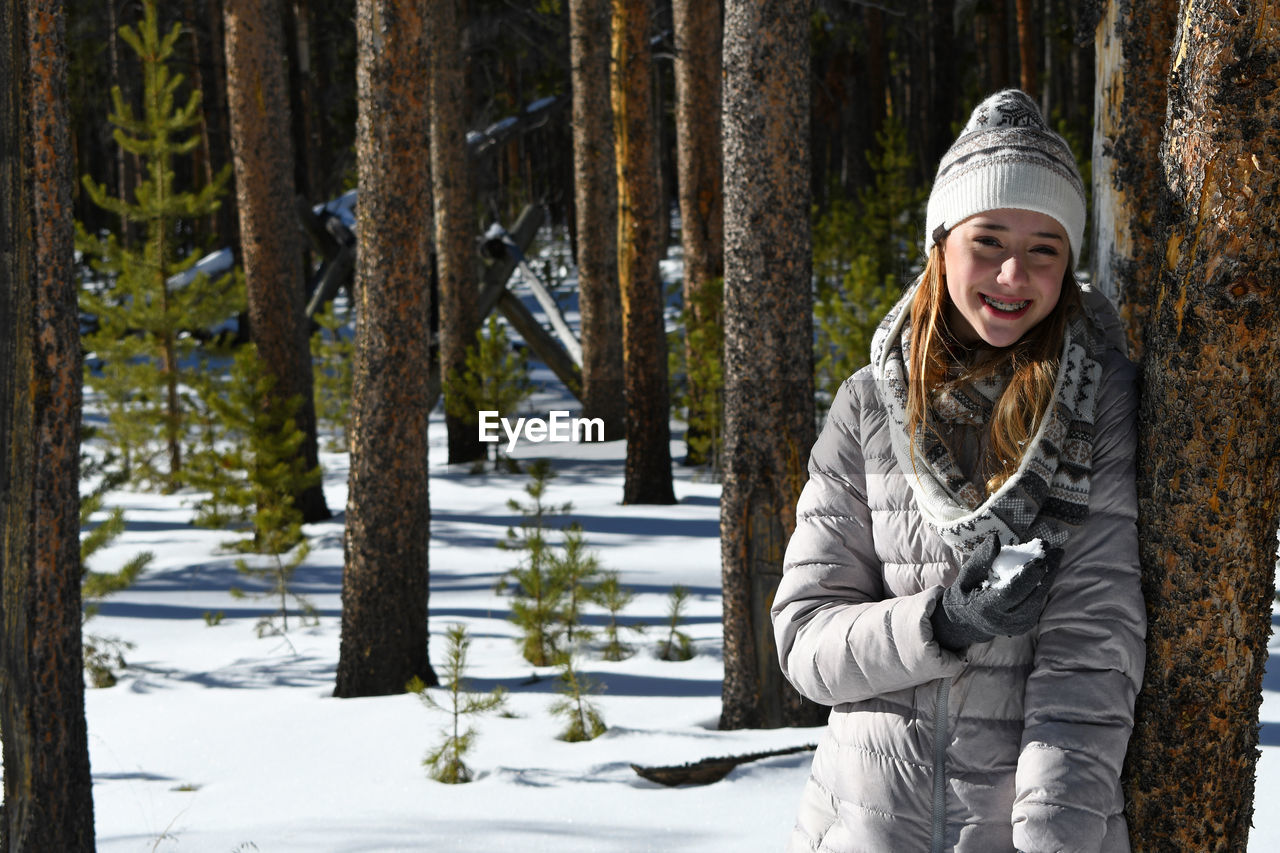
972,611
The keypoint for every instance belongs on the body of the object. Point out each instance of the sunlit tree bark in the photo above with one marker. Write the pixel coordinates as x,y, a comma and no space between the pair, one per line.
384,578
269,237
768,306
48,800
644,348
1133,43
596,212
1209,451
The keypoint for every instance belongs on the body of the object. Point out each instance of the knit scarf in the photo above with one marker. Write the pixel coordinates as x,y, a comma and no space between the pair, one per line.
1048,495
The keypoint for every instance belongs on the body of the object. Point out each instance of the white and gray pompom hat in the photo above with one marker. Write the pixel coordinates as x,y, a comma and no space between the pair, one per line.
1007,157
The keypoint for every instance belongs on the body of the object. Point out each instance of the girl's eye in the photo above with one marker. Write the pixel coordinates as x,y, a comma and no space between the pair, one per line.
1051,251
987,241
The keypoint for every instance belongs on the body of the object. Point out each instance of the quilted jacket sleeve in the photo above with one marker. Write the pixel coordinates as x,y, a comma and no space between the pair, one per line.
1089,655
839,638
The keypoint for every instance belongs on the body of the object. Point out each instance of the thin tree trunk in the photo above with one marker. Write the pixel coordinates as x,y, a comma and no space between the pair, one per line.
48,798
644,348
1133,45
214,104
456,262
269,234
998,45
384,579
769,409
1209,451
943,91
1027,49
698,152
596,212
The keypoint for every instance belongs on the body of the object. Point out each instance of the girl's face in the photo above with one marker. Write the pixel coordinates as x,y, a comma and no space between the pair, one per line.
1004,271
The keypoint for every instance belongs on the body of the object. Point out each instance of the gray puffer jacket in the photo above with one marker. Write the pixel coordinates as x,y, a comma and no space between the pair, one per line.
1016,745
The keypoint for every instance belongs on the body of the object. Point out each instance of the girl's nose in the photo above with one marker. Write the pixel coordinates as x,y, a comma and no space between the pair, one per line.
1012,271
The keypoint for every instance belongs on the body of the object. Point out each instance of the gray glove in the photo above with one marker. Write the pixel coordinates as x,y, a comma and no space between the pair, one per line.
971,612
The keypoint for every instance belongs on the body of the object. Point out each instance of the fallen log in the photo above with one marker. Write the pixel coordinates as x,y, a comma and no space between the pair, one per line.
709,770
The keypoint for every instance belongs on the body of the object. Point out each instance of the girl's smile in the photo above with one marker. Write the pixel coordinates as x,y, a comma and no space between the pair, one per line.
1004,270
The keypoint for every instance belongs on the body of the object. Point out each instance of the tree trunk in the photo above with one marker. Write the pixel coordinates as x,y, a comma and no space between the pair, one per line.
1209,475
698,152
48,798
263,155
1027,49
214,104
997,30
456,261
384,580
769,410
943,91
596,212
1132,47
644,346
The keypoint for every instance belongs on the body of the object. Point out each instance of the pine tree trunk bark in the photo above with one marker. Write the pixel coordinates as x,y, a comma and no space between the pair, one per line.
1209,470
48,798
698,154
1133,45
384,579
258,100
1027,49
456,262
596,216
769,409
644,346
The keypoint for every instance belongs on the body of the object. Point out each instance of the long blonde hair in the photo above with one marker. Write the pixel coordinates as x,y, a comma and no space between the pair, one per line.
1031,363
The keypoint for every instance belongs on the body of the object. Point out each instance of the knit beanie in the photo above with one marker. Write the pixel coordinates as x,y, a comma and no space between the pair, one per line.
1007,157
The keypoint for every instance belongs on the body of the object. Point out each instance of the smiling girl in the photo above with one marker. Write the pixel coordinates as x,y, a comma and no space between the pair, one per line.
981,702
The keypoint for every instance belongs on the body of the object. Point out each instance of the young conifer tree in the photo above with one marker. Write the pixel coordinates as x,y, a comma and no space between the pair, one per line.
445,763
576,571
677,646
702,354
863,252
539,592
496,379
332,356
140,303
103,655
585,721
610,594
259,473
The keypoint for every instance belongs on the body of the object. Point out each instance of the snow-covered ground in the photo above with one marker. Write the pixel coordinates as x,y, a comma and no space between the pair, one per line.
217,740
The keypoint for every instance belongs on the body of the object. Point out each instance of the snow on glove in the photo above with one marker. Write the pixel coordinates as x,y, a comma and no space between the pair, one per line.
975,609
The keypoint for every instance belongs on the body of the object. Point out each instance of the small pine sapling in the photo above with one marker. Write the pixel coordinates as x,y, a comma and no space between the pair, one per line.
537,590
496,379
331,359
677,646
265,471
445,762
103,655
584,720
576,571
610,594
138,301
699,358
